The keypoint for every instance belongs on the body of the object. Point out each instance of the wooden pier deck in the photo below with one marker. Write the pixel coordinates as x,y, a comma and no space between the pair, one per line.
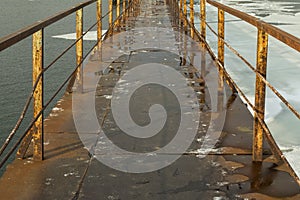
153,35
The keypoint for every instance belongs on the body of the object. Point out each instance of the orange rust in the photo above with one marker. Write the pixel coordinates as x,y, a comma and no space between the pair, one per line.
260,89
37,61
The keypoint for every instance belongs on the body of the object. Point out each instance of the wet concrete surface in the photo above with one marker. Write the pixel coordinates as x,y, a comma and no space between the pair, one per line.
70,171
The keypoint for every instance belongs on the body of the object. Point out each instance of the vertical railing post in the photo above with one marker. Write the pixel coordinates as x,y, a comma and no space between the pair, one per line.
203,18
99,23
79,48
118,8
37,61
124,8
184,7
260,93
192,17
130,8
177,11
170,2
180,5
110,18
185,15
185,54
203,74
134,10
127,11
221,34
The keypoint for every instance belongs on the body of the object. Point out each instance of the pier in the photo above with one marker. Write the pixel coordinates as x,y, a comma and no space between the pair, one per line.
149,113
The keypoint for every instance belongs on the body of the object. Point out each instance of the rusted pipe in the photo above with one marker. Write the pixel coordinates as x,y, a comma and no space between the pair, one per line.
79,48
37,64
99,23
221,34
203,18
192,17
260,89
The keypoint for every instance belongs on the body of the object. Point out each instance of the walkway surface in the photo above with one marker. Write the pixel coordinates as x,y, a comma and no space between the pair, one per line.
152,53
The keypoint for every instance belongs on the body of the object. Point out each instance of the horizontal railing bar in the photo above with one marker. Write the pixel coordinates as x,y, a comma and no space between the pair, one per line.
227,74
276,148
21,34
219,64
112,26
22,116
10,152
268,134
72,45
20,120
275,91
288,39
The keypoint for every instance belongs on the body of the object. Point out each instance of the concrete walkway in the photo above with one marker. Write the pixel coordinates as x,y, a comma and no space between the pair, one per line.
154,40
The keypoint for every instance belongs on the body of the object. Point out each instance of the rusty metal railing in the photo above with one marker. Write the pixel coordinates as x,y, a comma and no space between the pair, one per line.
35,129
264,29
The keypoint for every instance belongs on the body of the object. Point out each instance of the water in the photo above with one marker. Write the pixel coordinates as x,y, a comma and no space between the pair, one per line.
283,65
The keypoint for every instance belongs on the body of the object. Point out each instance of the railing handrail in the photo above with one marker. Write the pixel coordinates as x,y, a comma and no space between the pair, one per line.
36,95
23,33
286,38
260,128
